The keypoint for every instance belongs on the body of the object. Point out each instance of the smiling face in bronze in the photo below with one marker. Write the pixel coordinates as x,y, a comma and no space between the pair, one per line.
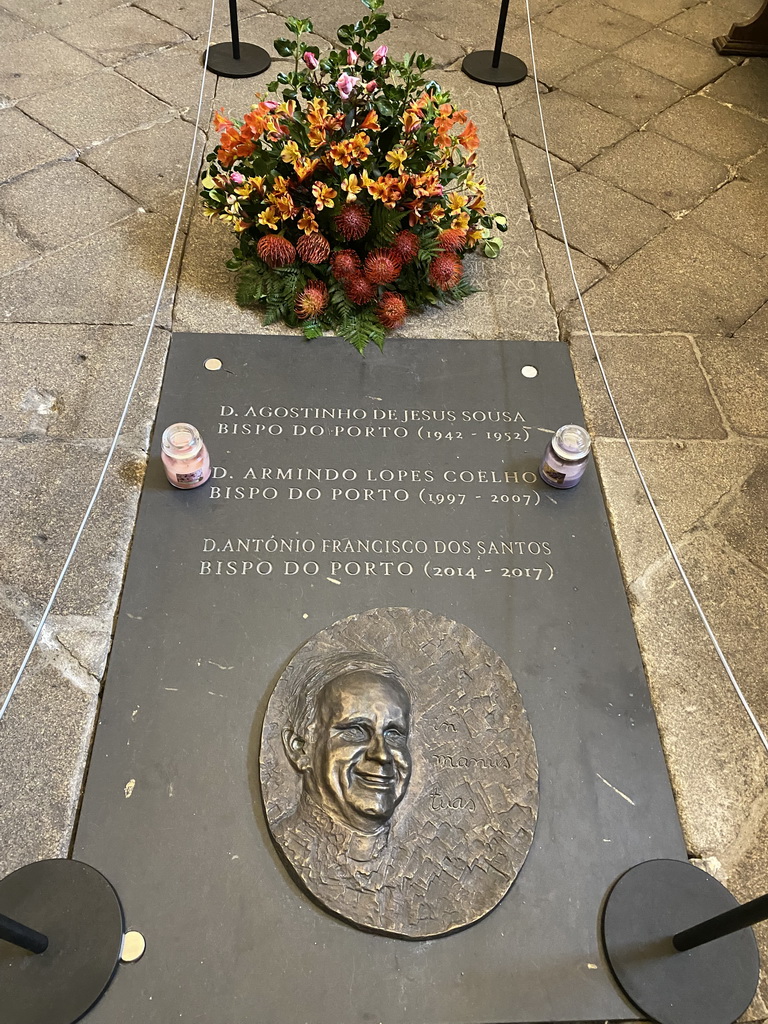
360,762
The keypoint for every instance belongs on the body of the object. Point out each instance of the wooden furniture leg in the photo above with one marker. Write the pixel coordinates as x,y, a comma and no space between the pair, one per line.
749,39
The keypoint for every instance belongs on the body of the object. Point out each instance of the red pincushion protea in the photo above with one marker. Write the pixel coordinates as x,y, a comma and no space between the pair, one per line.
382,266
345,264
360,291
276,251
452,240
406,245
445,271
353,222
314,248
391,309
311,301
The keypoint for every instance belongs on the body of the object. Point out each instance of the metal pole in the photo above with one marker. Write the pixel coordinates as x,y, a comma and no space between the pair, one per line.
235,29
724,924
500,33
18,934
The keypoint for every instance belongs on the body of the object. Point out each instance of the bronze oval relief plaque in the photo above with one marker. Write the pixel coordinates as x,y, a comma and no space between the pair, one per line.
399,772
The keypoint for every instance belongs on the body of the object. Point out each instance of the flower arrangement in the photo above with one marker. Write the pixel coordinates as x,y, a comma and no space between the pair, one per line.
354,199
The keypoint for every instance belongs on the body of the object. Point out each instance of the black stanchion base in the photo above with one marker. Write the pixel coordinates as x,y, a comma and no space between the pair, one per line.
76,907
479,65
711,984
253,60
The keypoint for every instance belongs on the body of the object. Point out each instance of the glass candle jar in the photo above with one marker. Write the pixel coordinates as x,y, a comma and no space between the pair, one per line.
185,457
566,457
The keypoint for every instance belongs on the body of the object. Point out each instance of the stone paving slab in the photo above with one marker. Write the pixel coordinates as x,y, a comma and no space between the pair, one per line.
121,34
53,382
644,406
50,720
194,17
25,144
70,203
557,56
743,526
738,213
95,109
683,280
534,169
47,484
654,11
558,271
756,168
595,24
660,171
745,87
149,165
712,128
674,57
701,23
38,64
111,278
603,221
577,131
12,30
479,20
675,471
173,76
14,253
623,89
737,368
707,736
56,14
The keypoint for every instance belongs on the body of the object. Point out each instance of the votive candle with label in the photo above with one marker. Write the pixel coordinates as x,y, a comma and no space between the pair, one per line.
565,459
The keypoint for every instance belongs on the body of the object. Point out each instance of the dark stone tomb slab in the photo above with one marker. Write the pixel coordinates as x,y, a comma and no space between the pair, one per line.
426,498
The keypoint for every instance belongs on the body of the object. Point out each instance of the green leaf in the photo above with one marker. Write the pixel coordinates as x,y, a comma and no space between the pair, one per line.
373,5
500,221
492,248
312,330
346,35
285,47
385,224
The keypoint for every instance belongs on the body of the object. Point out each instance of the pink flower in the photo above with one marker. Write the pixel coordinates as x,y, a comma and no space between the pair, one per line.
345,85
371,87
380,55
352,56
310,60
271,104
237,177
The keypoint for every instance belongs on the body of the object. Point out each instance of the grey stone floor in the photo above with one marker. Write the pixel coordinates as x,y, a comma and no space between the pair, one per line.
661,154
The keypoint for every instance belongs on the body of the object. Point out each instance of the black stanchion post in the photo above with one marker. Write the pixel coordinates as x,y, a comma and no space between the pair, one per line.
705,972
494,67
724,924
236,59
19,935
235,28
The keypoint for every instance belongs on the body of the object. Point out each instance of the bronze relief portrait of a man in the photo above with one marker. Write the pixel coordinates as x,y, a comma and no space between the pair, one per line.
398,772
347,737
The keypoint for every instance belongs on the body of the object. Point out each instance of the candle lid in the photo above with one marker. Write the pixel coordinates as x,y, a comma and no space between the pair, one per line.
180,439
571,443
